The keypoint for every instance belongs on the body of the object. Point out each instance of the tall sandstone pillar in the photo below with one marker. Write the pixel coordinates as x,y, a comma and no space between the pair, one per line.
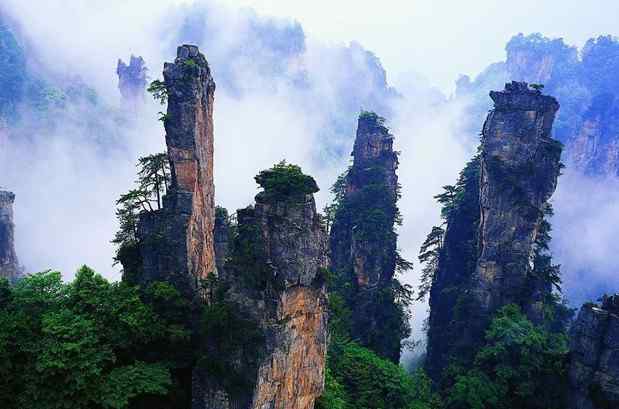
275,276
363,244
291,375
486,258
178,243
9,266
520,164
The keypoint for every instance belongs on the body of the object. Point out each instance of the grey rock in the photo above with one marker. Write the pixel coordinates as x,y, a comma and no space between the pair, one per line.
9,265
594,356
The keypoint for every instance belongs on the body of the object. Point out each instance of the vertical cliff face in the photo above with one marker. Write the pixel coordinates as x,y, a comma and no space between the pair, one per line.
274,275
9,266
291,375
178,243
520,164
362,239
594,362
594,146
487,258
132,83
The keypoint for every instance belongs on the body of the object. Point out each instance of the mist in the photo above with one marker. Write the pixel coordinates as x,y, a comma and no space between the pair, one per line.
281,94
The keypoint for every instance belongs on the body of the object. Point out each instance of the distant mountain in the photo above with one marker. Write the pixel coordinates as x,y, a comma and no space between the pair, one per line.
583,81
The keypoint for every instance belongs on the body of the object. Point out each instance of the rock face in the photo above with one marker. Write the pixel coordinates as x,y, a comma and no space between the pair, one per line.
583,80
520,164
362,253
594,146
178,243
132,83
291,376
485,262
9,266
594,362
281,288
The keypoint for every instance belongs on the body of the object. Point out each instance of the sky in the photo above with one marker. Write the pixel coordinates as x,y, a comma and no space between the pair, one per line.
434,37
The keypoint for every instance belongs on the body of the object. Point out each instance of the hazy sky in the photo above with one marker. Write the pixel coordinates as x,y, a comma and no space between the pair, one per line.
435,37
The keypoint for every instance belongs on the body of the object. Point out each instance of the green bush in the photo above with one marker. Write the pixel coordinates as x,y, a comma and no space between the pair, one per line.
520,366
284,180
87,344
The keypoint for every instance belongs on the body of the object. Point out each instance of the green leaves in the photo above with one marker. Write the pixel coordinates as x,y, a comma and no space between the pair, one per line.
284,180
124,383
520,366
159,91
366,381
86,344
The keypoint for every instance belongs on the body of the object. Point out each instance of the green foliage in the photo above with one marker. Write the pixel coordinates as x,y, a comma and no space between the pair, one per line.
159,91
152,184
455,201
334,396
285,181
536,87
370,214
86,344
429,255
367,381
521,366
190,63
358,378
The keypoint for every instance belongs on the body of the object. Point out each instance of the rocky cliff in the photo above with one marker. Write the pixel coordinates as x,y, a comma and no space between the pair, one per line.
520,164
9,266
177,241
583,80
362,238
132,83
594,363
486,261
275,277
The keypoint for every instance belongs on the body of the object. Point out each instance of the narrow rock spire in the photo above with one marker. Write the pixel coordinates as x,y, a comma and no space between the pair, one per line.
178,243
489,244
132,80
363,241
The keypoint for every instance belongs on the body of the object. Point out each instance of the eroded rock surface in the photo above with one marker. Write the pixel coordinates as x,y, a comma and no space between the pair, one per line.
486,259
178,244
292,374
275,276
520,164
594,362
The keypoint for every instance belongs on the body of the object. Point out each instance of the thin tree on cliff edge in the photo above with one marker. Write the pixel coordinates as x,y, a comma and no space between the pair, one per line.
152,184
